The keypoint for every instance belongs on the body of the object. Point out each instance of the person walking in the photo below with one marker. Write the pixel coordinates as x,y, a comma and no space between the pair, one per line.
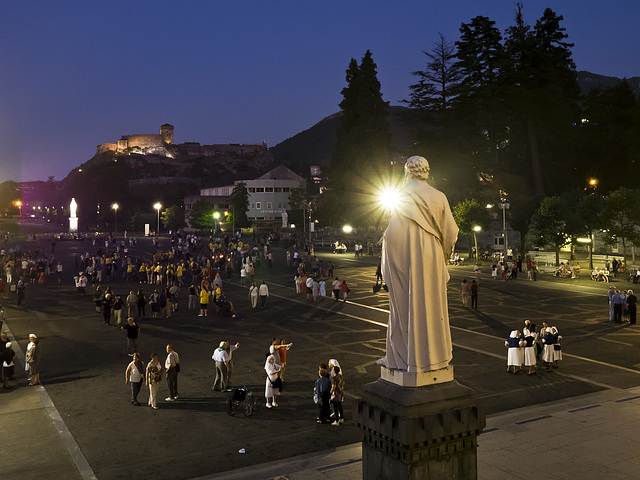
172,366
344,290
264,293
132,303
134,376
193,297
253,295
204,301
153,378
465,292
142,301
632,300
336,289
221,358
133,330
474,294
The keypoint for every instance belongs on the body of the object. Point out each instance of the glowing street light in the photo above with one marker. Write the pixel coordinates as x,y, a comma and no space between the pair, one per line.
115,207
216,216
389,198
158,206
476,229
18,204
347,229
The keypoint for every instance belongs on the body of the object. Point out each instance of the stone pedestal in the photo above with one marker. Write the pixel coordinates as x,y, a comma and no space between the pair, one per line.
427,432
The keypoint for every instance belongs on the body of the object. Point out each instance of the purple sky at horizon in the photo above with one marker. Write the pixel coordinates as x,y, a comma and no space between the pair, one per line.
76,74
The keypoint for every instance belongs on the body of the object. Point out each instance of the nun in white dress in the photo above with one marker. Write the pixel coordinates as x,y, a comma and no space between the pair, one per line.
515,344
271,392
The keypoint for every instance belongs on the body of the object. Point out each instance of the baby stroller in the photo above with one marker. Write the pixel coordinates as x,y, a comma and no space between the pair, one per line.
241,399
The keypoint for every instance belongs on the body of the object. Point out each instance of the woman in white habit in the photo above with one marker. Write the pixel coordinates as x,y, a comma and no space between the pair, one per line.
270,393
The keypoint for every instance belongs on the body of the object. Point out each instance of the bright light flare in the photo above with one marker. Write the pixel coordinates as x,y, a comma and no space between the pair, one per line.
347,229
389,197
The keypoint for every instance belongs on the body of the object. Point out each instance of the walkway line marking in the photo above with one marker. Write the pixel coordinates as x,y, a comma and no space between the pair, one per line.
79,460
570,355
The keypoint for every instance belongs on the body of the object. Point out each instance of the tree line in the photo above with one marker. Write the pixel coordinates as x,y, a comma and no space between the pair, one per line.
494,112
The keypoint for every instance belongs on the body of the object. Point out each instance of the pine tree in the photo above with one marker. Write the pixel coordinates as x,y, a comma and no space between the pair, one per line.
363,142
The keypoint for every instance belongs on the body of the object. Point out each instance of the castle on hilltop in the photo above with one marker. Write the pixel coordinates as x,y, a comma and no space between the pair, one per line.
158,143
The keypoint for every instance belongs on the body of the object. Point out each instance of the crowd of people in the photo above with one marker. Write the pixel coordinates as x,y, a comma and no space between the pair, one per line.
528,347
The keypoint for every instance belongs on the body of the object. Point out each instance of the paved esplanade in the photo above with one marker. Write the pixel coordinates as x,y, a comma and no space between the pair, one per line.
594,394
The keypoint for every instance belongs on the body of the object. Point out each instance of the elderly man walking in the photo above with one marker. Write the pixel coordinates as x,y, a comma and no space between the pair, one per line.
221,359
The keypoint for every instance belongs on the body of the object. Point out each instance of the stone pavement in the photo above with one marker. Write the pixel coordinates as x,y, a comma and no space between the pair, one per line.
555,438
593,436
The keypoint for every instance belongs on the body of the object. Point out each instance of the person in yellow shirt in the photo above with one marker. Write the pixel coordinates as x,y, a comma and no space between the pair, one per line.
204,301
179,274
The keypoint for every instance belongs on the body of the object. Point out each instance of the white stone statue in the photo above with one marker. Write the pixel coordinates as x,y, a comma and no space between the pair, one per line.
73,208
415,251
285,219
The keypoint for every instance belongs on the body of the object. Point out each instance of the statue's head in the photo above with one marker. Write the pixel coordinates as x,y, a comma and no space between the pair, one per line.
416,167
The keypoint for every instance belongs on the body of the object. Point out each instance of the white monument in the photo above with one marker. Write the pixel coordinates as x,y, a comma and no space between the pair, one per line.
417,420
73,216
415,253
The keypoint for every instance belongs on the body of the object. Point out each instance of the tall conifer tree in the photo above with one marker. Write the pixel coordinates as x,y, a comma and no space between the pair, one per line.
363,143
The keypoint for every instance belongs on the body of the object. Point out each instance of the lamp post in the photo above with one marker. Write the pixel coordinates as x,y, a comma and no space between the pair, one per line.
504,206
115,207
476,229
19,205
158,206
216,216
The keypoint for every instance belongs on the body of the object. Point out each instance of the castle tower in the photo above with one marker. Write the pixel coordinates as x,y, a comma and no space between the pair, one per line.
166,132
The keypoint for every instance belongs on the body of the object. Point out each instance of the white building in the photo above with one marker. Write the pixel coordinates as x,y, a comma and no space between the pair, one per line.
268,193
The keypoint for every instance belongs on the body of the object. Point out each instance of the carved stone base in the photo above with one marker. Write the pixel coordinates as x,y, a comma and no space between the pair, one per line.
419,433
406,379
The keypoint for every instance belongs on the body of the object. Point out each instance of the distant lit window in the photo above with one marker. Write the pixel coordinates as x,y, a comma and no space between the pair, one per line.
258,205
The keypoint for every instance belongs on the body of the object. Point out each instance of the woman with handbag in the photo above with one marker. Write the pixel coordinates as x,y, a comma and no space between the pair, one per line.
273,384
153,378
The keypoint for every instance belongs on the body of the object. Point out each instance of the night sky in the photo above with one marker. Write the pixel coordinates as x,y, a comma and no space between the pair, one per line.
74,74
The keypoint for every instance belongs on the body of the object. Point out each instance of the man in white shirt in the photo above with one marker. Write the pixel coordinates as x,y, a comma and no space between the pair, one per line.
172,366
336,288
221,358
263,291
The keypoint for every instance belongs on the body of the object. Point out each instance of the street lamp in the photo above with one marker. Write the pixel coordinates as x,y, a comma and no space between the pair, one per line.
158,206
216,216
115,207
19,205
476,229
504,206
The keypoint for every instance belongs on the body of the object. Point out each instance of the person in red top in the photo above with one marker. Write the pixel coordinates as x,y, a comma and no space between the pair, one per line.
282,351
344,290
